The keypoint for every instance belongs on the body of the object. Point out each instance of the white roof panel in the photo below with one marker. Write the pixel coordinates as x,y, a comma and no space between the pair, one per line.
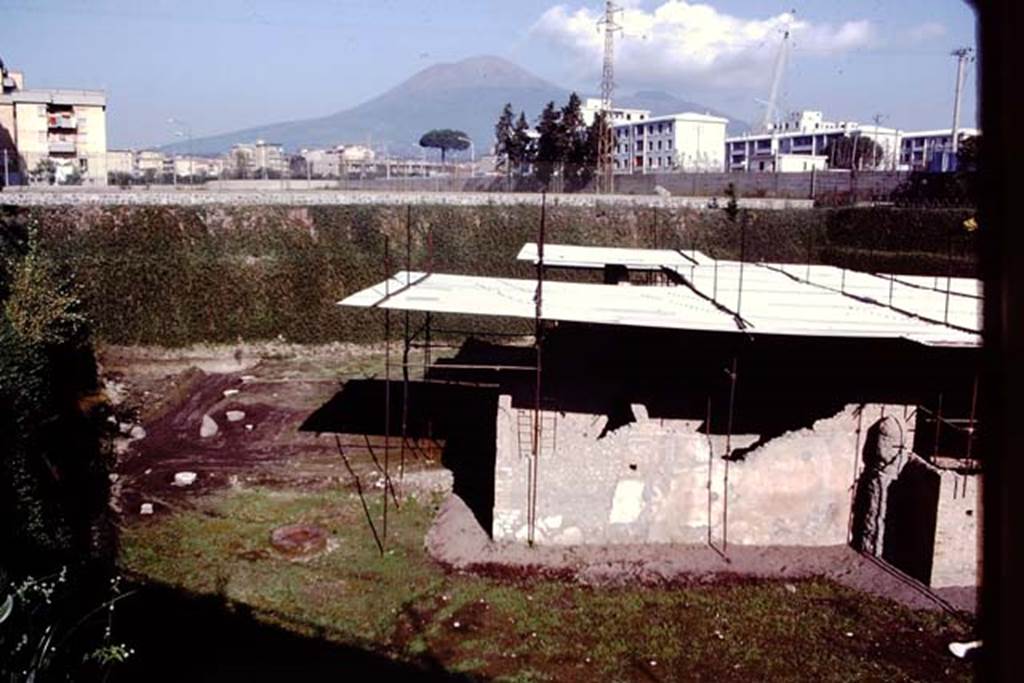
771,303
573,256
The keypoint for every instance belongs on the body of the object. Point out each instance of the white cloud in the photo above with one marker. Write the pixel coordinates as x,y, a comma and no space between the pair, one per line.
684,43
929,30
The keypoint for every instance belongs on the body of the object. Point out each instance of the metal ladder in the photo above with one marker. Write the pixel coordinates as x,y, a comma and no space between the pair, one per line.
524,430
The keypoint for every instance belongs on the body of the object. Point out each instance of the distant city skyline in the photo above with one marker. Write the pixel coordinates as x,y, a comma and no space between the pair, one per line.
238,63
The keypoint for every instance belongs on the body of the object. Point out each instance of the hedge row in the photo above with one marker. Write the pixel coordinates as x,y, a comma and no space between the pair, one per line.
179,275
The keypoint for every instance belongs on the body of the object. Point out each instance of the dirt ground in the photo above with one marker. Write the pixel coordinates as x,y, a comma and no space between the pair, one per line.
270,390
277,387
457,540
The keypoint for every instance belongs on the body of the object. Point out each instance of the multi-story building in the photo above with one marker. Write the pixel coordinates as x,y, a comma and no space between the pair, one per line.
803,133
592,105
331,162
151,164
121,162
931,150
676,142
51,135
201,167
254,160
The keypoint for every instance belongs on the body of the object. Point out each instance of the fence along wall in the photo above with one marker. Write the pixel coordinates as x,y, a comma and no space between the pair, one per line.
863,185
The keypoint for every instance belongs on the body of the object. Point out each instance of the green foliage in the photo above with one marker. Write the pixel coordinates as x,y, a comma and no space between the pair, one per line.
175,276
565,150
445,139
53,476
968,153
858,152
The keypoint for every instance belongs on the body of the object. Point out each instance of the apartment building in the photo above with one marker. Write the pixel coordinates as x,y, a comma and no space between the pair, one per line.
592,106
51,135
254,160
803,133
676,142
329,162
121,161
931,150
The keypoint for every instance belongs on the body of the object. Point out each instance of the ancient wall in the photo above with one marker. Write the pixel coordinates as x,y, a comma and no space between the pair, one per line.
663,481
649,480
957,559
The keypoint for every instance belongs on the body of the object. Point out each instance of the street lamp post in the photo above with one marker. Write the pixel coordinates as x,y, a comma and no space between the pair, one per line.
472,155
191,156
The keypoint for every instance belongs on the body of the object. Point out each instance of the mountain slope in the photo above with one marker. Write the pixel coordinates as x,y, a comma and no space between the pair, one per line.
467,95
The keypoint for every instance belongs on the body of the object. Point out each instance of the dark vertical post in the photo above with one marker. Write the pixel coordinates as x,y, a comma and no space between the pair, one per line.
387,389
728,452
938,426
711,460
654,226
743,256
405,347
970,422
810,250
949,272
538,347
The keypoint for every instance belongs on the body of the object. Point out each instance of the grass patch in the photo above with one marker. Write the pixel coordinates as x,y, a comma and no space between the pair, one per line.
404,605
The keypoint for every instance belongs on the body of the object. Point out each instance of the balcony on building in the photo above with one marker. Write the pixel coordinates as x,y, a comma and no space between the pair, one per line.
62,146
61,121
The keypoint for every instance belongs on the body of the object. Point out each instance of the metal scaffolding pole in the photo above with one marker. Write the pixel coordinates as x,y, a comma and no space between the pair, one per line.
405,347
538,343
387,391
733,374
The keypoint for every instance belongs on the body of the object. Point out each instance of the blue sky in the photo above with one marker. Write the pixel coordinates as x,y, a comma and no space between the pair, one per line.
226,64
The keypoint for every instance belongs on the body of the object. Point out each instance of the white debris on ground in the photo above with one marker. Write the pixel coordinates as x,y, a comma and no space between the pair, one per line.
235,415
208,428
184,478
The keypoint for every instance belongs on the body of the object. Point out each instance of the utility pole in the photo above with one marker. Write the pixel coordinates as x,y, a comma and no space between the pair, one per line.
606,139
963,56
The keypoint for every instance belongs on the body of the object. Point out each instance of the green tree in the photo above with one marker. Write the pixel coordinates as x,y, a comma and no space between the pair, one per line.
445,139
504,139
858,152
550,144
44,172
967,154
578,156
524,149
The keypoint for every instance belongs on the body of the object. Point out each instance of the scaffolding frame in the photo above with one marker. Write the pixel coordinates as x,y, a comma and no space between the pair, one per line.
424,338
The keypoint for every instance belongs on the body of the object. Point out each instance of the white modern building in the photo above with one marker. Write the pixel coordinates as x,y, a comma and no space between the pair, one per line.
592,106
329,162
676,142
804,133
922,150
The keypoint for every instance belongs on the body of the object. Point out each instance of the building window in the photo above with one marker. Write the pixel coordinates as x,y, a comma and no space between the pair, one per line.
659,144
668,144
